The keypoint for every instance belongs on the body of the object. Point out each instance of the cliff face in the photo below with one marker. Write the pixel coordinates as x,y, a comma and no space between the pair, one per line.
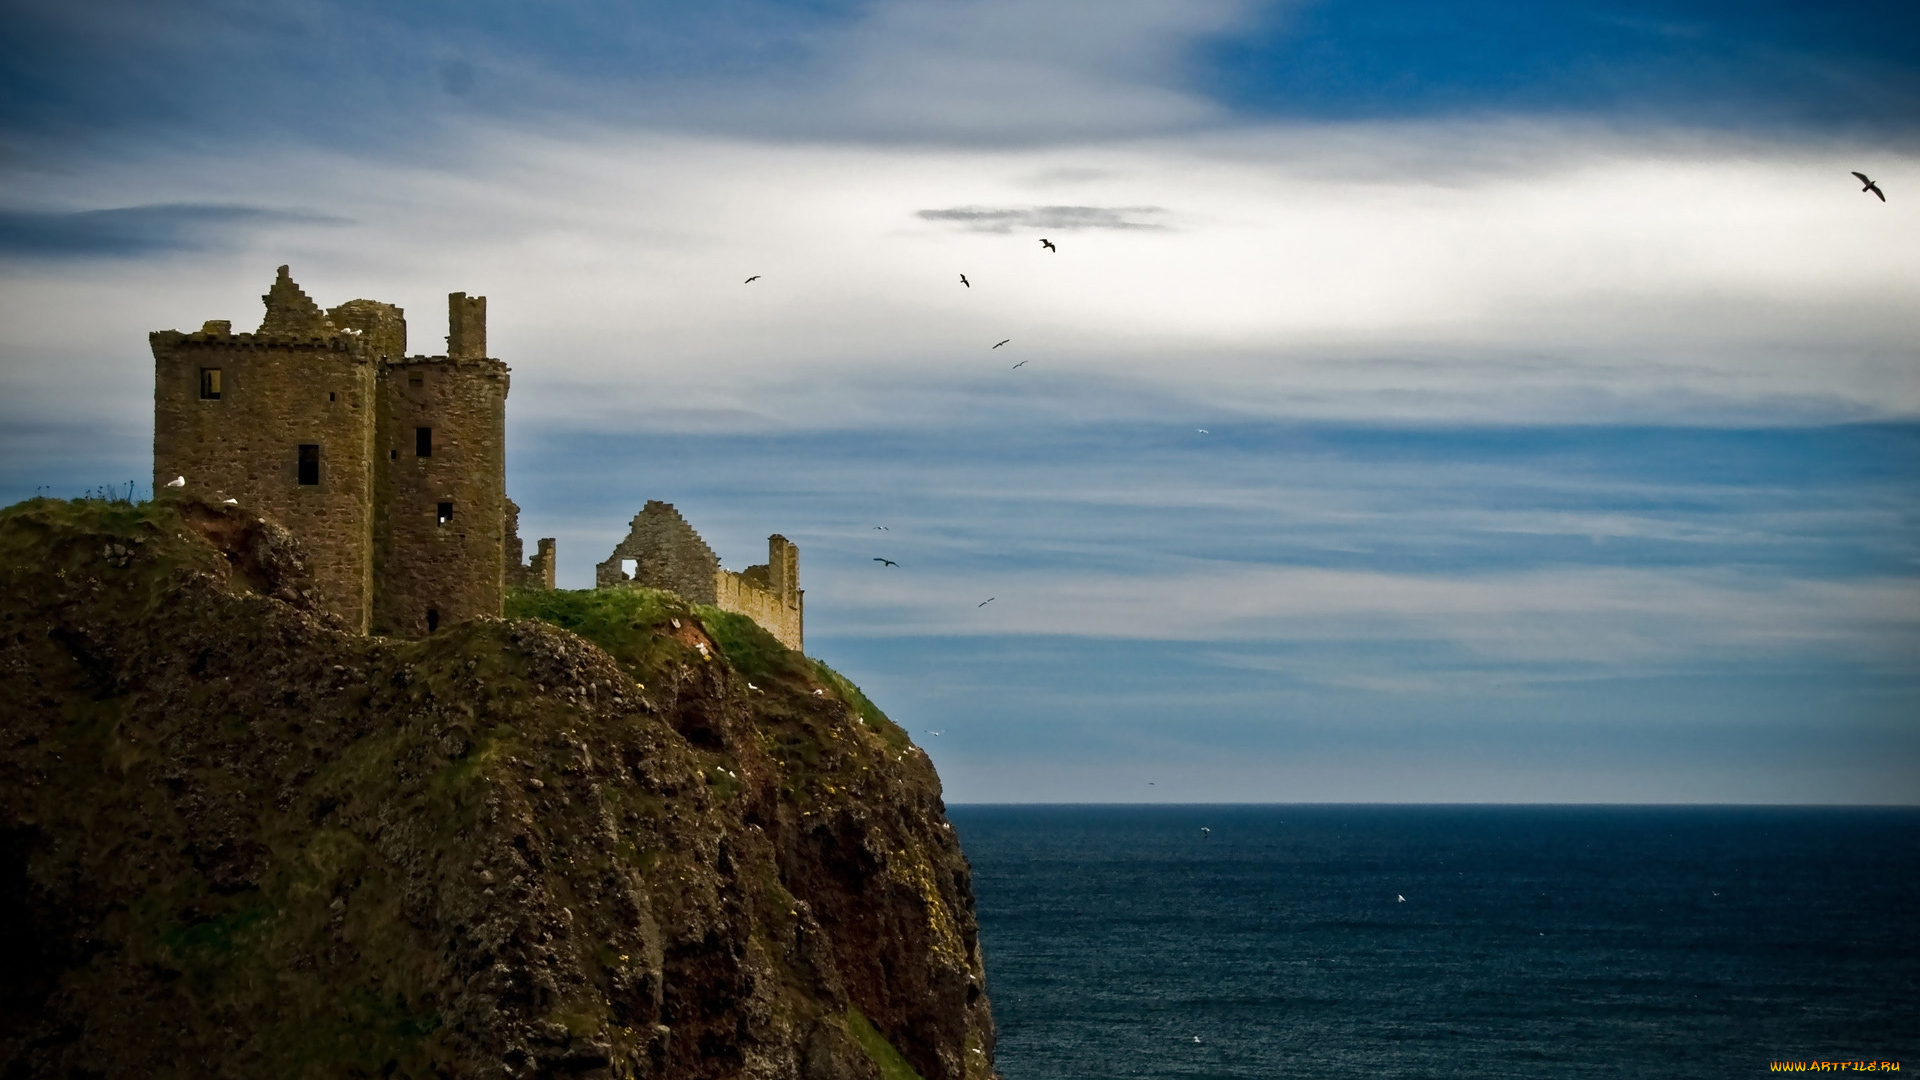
238,841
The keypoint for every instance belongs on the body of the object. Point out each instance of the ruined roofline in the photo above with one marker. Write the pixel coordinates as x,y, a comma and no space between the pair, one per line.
335,341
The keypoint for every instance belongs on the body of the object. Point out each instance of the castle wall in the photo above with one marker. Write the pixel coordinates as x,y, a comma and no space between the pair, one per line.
295,385
667,553
430,571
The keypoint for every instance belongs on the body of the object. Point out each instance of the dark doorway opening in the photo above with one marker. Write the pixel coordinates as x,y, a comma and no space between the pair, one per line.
423,441
433,619
309,463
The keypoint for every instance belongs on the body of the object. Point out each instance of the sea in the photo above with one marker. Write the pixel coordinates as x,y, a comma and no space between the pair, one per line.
1237,942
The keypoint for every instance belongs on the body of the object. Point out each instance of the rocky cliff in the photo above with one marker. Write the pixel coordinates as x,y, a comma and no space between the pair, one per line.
236,840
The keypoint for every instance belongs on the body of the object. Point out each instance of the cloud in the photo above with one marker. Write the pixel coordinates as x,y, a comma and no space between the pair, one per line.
137,230
1005,219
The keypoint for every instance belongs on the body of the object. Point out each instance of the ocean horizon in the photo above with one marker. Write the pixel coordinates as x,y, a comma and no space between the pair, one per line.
1427,940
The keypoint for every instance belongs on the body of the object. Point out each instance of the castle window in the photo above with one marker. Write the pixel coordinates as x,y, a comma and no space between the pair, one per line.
393,455
309,463
209,384
423,441
629,567
331,396
446,513
433,619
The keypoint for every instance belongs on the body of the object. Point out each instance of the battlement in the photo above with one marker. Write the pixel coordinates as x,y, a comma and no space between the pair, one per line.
390,468
662,551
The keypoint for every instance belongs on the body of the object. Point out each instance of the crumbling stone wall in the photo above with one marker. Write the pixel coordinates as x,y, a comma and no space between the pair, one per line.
521,574
769,594
668,554
384,556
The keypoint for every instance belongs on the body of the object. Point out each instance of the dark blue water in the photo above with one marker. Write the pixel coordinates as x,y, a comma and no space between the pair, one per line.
1533,942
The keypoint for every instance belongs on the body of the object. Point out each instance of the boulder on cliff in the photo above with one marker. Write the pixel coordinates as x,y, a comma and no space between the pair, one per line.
648,841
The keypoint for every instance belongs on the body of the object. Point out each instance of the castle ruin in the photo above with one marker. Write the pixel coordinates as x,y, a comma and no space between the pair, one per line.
392,468
662,551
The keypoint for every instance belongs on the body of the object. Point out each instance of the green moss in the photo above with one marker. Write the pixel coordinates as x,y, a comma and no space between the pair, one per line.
750,650
885,1058
870,713
632,625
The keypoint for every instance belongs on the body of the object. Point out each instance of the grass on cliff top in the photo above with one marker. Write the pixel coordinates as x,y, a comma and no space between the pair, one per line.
632,626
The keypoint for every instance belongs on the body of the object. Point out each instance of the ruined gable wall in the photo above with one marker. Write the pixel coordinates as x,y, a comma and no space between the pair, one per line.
304,383
667,553
422,566
537,574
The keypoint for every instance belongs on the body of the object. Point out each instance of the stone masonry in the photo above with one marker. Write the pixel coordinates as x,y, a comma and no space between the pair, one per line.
390,468
662,551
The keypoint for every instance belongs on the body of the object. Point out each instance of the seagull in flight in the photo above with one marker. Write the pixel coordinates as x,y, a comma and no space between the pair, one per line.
1205,832
881,528
889,562
999,343
987,601
964,281
751,280
1203,431
1400,898
1871,186
1048,244
1018,366
936,734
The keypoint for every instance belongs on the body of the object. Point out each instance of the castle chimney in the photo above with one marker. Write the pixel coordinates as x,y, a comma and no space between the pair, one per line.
783,568
466,327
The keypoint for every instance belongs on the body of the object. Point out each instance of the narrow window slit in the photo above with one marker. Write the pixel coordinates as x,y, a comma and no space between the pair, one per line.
210,384
446,512
423,442
309,463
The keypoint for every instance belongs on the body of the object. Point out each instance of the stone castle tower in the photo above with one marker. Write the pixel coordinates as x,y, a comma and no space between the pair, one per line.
391,468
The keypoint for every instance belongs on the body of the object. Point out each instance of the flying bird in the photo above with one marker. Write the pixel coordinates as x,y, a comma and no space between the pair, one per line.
751,280
1400,898
1018,366
889,562
1048,244
882,528
999,343
1205,832
985,602
178,481
1871,186
1203,431
936,734
964,281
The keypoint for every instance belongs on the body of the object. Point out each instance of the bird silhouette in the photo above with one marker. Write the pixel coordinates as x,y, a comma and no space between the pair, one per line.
964,281
985,602
1204,831
889,562
751,280
1871,186
1048,244
881,528
1018,366
936,734
1203,431
999,343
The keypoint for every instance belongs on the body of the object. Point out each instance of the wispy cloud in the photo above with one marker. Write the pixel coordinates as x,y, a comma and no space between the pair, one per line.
138,230
1005,219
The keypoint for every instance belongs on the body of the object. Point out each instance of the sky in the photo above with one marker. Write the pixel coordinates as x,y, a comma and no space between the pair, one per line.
1426,402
